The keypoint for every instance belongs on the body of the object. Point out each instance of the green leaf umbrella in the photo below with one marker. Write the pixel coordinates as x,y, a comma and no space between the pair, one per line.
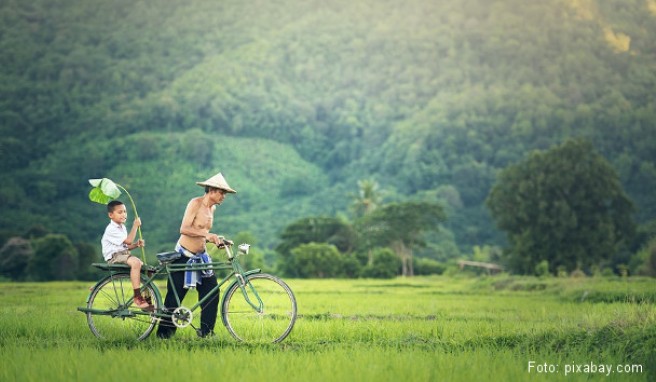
105,190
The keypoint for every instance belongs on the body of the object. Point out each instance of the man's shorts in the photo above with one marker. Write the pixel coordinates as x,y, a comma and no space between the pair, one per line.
120,257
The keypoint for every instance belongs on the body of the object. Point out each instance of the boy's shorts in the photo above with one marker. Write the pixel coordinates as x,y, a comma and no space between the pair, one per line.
120,257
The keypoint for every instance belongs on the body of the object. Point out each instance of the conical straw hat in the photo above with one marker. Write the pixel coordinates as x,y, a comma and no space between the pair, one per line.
217,181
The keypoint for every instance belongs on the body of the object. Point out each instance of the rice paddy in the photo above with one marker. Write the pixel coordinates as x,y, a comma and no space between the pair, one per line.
411,329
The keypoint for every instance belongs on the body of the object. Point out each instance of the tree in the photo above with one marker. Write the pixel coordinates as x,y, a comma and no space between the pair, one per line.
55,258
644,261
87,255
401,226
385,265
316,260
15,255
368,198
564,205
255,258
314,230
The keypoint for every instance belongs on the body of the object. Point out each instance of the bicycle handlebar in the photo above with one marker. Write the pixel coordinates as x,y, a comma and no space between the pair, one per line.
225,242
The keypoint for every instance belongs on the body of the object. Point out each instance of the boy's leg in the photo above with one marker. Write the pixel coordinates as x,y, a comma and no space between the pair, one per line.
210,308
135,272
124,257
135,277
166,329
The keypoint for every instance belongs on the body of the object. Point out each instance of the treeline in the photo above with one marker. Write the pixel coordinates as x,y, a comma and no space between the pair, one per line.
378,245
298,100
563,209
43,256
564,212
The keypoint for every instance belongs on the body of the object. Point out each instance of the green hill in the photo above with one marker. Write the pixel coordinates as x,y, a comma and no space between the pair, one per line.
297,100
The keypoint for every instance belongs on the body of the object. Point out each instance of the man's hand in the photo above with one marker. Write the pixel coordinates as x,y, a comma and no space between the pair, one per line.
214,238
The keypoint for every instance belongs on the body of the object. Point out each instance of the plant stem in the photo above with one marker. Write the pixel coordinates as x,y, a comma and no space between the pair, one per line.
136,215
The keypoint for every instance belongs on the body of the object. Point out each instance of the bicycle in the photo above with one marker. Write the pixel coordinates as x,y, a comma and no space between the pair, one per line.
256,306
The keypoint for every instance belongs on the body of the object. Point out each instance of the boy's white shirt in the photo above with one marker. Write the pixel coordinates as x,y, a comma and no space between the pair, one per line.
113,239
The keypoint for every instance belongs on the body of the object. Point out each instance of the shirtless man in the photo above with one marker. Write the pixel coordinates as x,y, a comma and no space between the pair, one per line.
194,234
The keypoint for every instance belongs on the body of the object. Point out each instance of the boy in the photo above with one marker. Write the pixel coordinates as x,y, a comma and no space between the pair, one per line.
117,243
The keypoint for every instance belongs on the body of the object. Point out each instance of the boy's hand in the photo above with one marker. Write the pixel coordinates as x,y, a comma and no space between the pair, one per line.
137,222
140,243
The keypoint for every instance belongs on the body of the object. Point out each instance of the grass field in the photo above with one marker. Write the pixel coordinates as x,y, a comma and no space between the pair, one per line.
407,329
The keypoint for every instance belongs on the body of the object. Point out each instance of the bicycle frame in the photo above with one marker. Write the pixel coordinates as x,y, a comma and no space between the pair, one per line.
256,306
167,269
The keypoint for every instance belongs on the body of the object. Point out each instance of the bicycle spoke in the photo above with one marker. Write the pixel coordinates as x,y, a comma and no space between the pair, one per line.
276,319
118,321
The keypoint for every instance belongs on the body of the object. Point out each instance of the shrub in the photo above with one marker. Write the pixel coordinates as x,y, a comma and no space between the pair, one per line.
542,269
423,266
577,273
644,261
55,258
15,256
385,265
317,260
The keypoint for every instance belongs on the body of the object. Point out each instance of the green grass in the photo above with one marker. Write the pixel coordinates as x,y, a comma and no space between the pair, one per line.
419,329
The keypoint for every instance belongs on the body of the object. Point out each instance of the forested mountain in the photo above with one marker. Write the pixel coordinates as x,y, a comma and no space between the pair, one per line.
295,101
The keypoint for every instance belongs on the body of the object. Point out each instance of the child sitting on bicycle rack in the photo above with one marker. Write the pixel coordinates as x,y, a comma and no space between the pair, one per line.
117,243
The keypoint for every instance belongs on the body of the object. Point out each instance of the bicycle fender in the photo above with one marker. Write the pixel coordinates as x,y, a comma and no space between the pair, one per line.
245,274
225,293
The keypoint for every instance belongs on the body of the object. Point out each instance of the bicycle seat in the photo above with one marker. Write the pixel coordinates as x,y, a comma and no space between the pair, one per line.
165,257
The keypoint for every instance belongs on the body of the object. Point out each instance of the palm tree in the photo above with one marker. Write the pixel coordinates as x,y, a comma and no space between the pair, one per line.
368,198
365,202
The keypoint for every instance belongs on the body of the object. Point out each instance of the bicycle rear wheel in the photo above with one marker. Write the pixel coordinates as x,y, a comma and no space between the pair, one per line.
111,318
272,318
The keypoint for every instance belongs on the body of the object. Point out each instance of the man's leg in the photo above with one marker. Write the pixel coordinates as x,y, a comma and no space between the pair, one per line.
209,308
166,329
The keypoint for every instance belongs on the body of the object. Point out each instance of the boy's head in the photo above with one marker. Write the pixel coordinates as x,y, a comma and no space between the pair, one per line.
117,211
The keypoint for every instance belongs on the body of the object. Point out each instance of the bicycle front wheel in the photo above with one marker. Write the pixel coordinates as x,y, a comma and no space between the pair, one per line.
262,311
111,318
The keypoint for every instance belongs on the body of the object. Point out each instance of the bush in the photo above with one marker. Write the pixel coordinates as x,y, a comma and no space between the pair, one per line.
643,263
86,256
55,258
542,269
15,256
351,267
316,260
577,273
385,265
423,266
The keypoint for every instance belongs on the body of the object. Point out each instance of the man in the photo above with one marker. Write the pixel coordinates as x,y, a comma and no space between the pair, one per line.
194,234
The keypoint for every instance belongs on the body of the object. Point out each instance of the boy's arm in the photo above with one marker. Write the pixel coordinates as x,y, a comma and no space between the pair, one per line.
133,233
